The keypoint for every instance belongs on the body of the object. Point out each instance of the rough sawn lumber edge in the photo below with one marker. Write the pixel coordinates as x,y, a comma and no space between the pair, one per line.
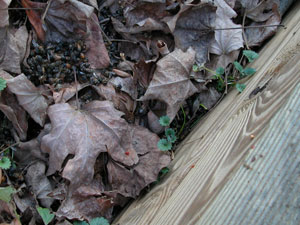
218,145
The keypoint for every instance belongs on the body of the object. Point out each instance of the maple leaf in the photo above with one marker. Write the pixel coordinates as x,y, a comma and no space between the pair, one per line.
85,134
29,97
171,83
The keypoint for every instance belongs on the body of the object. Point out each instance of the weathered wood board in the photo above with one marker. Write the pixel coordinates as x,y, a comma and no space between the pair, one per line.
208,161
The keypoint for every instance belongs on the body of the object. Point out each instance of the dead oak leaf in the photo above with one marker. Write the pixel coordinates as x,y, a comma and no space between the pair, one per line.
130,181
29,97
171,83
85,133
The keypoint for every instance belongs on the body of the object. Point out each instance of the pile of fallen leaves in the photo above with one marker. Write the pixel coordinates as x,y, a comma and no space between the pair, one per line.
83,150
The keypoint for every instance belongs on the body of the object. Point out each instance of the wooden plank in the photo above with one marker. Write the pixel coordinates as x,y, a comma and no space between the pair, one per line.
265,190
218,146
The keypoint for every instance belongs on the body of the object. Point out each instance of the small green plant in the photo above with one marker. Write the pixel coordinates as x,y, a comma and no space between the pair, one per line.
5,163
240,87
6,192
2,84
165,144
47,217
248,71
95,221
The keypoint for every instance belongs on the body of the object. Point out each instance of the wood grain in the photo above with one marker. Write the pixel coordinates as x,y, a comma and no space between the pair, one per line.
219,144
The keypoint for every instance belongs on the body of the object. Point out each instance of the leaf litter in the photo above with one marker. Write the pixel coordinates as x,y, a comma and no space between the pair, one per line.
86,84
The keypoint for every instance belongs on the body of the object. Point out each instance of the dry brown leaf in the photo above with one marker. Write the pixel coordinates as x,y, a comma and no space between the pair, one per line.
191,30
29,97
260,11
85,133
145,16
39,184
4,13
130,181
12,48
67,92
85,207
256,36
171,83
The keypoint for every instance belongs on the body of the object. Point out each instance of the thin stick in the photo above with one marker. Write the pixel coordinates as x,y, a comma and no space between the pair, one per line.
243,30
122,40
76,83
247,27
13,145
21,8
46,10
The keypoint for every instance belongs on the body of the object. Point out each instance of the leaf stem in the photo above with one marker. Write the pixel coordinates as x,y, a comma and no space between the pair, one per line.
76,83
184,121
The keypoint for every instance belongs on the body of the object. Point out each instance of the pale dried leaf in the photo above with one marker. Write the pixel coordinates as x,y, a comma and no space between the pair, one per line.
4,13
97,128
226,41
39,183
29,97
10,55
171,83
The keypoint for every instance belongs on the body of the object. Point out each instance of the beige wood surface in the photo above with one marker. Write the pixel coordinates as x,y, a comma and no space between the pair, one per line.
209,157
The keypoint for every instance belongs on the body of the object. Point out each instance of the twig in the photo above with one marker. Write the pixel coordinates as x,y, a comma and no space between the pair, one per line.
243,30
13,145
122,40
246,27
46,10
184,121
21,8
76,83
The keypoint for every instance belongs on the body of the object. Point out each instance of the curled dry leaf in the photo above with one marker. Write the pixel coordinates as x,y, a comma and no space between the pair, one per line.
39,183
193,30
256,36
4,13
84,134
171,83
125,84
12,48
121,100
143,72
29,97
130,181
